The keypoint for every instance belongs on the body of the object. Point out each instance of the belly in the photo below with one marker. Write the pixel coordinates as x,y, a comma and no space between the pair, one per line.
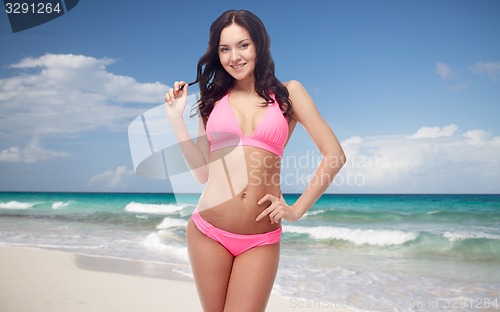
237,181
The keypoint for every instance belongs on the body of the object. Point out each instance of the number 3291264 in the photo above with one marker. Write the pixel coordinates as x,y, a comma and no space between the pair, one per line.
32,8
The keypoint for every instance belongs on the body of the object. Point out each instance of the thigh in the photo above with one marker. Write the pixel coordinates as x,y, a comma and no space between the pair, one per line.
252,279
211,264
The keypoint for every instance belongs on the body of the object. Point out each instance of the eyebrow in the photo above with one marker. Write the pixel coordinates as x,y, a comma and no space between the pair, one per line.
239,42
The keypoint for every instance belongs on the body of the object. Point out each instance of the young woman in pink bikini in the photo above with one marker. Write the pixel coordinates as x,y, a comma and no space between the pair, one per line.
246,119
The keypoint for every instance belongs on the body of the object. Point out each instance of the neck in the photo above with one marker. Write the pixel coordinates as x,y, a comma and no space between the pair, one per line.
247,86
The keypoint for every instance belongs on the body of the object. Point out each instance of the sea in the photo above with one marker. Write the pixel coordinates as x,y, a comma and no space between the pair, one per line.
383,252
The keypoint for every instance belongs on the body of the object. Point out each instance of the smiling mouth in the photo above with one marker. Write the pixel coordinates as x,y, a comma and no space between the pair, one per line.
238,66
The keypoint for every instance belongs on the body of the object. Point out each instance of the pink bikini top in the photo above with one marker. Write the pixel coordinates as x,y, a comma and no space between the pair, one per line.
223,129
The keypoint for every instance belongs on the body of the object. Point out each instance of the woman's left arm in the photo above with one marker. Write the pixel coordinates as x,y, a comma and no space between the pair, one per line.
307,114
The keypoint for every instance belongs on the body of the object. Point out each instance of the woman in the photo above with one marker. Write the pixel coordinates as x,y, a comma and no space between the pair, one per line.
247,117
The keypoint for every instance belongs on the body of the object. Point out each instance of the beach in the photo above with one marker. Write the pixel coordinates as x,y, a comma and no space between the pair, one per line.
127,252
36,280
46,280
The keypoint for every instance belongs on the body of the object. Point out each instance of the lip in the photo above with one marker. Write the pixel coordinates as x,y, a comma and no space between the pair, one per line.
238,67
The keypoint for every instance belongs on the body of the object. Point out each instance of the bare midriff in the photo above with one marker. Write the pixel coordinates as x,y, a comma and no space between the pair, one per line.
238,178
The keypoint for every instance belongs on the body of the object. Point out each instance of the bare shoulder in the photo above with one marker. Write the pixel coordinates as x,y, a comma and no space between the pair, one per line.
298,93
294,87
302,103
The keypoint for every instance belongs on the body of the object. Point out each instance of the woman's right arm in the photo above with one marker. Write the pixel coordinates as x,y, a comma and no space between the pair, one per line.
196,154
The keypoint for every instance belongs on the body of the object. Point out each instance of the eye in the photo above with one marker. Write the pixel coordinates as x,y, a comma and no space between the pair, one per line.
224,49
244,45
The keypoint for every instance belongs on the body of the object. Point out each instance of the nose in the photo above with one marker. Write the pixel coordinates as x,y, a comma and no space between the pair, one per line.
235,55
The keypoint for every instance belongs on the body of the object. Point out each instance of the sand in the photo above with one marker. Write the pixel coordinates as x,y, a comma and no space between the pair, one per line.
39,280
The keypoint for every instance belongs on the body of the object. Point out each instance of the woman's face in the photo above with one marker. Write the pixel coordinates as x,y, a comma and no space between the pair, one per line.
237,52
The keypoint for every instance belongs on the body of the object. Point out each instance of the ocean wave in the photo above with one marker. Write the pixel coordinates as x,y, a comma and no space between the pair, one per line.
458,236
54,246
418,215
355,236
171,222
60,204
153,208
154,242
16,205
314,212
468,246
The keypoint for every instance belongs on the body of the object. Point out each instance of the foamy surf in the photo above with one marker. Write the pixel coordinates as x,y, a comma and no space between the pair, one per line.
156,242
170,223
16,205
458,236
355,236
59,205
313,213
153,208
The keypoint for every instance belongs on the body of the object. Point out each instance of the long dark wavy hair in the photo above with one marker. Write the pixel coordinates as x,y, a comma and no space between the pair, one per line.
215,82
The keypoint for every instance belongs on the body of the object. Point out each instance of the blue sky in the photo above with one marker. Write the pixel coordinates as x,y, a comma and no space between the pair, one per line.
411,89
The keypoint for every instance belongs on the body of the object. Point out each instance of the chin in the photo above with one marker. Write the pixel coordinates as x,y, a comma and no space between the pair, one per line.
238,76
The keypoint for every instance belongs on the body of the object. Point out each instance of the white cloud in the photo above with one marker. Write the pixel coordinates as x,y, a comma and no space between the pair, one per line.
440,160
65,95
489,68
88,74
352,140
443,70
31,153
476,135
11,154
112,179
434,132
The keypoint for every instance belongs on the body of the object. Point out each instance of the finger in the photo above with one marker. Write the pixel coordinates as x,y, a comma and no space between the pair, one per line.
271,219
274,216
184,88
168,96
177,90
266,197
261,215
265,212
171,94
276,219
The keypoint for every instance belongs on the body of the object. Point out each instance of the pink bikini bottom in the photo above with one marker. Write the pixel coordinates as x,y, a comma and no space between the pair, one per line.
235,243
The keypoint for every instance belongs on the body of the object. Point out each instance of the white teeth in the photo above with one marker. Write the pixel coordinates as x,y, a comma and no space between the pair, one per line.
238,66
